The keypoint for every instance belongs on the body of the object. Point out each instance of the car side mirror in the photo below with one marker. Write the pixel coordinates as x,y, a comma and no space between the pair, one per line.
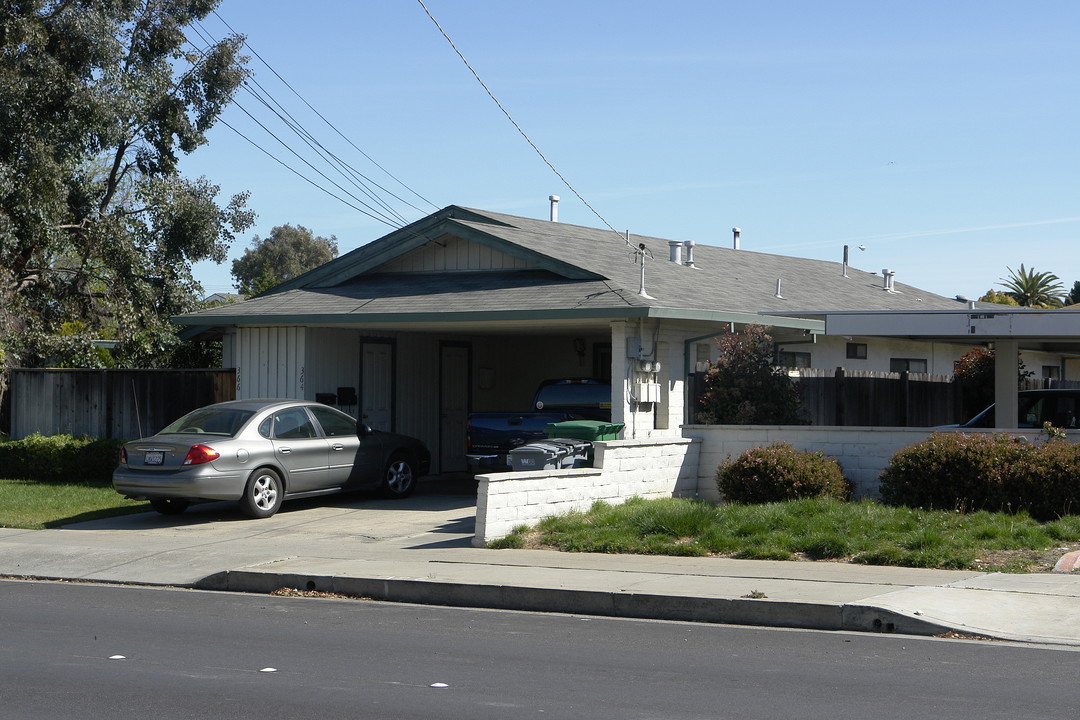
363,430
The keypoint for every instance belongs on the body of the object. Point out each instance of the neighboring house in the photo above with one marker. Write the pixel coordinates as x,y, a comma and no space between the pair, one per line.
222,298
469,310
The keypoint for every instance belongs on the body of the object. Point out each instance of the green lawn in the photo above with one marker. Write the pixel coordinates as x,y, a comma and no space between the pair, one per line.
36,505
860,532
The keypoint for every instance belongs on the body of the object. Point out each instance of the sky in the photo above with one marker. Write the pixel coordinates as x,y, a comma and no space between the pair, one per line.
940,136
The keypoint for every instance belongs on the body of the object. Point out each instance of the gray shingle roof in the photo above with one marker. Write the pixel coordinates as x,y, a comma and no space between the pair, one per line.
607,278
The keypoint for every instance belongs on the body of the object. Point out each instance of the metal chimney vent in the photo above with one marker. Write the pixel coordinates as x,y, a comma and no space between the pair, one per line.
736,232
889,282
675,248
688,253
554,200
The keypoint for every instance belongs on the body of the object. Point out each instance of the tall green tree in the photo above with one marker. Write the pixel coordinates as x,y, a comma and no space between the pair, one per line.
288,252
98,228
999,297
1033,289
1073,298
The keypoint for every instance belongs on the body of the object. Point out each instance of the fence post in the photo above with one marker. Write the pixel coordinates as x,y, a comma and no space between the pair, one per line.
840,389
905,399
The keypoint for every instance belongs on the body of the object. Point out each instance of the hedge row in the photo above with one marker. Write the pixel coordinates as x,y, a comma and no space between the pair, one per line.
56,458
957,471
947,471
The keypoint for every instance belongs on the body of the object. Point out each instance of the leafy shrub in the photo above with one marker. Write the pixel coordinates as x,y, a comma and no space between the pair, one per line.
1046,482
744,386
958,471
780,472
59,458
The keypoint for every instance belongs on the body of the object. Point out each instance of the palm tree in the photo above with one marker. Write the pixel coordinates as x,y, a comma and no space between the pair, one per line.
1034,289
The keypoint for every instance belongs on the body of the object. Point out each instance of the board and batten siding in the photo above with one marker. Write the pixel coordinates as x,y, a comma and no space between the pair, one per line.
270,362
454,254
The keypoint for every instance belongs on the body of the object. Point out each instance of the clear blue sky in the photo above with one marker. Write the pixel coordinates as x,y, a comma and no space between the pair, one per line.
940,135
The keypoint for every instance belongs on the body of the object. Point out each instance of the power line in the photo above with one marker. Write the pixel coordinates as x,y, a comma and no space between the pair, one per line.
390,217
515,124
332,126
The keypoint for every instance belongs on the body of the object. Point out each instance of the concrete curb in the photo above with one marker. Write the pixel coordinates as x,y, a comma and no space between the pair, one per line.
728,611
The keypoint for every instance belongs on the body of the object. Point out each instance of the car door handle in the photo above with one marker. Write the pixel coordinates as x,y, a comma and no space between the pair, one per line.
284,450
337,446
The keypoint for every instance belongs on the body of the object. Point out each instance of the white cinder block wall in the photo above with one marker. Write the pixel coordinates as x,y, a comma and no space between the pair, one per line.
681,467
863,452
649,468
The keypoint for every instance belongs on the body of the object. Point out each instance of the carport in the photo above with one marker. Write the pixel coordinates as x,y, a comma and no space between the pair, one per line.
1007,331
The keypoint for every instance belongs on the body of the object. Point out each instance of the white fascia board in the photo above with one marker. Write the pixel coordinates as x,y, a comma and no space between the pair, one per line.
978,323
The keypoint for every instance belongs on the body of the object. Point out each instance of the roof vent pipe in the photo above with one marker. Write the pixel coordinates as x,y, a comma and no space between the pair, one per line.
675,251
779,282
554,208
688,253
889,282
845,260
736,232
971,304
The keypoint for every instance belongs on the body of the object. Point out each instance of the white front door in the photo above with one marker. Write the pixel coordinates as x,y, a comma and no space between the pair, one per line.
377,385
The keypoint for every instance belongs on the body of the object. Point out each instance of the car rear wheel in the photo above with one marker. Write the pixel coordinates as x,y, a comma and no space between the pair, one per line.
263,494
169,506
399,480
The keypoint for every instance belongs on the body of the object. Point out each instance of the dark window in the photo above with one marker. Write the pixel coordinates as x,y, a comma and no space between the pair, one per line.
907,365
293,424
856,351
1051,371
334,424
794,359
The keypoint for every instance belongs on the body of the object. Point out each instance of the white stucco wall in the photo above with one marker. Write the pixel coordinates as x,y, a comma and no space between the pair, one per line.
831,352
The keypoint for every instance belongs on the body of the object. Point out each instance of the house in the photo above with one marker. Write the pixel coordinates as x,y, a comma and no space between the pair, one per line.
469,310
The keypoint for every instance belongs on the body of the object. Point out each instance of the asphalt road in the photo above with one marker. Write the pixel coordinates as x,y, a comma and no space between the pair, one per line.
72,650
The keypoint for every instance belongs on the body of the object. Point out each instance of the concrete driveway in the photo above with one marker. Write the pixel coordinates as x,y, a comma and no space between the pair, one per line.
214,537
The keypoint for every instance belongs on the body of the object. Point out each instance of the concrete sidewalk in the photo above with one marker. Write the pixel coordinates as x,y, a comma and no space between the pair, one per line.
419,551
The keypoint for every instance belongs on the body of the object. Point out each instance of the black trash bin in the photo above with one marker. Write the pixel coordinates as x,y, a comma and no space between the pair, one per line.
551,455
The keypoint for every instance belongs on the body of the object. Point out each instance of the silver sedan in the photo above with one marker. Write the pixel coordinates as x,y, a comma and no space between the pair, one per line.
262,452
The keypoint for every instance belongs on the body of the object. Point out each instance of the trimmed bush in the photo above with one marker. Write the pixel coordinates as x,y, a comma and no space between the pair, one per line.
779,472
1046,482
958,471
52,458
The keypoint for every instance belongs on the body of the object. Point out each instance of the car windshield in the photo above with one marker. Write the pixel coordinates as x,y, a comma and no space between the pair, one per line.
224,422
575,394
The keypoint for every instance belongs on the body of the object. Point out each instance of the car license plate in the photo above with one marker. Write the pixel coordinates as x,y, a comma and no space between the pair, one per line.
154,457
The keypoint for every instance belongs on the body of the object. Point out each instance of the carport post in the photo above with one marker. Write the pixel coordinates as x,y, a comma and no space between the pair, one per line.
1006,371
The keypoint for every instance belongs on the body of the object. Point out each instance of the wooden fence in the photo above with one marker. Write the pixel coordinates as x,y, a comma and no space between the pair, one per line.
120,404
883,399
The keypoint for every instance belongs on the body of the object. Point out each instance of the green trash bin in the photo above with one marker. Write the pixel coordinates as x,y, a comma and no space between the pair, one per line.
585,430
589,430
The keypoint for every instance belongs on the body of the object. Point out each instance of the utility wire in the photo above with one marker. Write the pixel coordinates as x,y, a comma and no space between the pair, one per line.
332,126
389,217
301,176
350,174
515,124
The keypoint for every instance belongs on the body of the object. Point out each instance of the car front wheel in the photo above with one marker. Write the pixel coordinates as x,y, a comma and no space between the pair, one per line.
263,494
399,480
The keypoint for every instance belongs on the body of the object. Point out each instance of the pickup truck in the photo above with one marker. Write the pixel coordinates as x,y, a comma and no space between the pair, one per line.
491,435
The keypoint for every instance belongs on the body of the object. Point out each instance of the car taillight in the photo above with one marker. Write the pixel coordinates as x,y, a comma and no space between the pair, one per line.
123,455
199,454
